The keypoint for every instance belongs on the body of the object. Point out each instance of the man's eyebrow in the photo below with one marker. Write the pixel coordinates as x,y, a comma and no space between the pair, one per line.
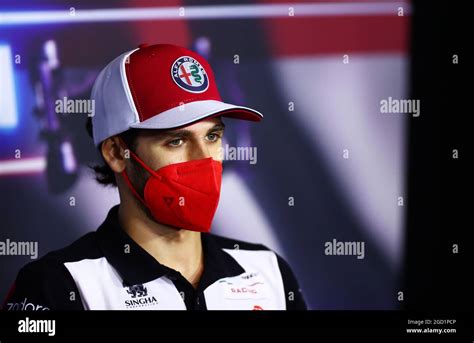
217,127
178,133
183,133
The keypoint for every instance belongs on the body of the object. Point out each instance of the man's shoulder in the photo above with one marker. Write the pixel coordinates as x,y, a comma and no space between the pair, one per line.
250,255
259,258
46,283
235,244
85,247
254,253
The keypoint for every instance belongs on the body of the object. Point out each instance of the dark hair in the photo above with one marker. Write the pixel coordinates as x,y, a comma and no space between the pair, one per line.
103,173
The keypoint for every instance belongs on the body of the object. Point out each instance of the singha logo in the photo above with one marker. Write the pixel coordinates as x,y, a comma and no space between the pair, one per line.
137,290
139,297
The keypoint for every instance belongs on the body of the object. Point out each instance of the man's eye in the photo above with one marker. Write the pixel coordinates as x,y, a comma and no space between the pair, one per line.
213,137
175,142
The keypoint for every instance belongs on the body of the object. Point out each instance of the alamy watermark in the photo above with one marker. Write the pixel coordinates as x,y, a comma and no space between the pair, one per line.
28,325
344,248
241,153
13,248
75,106
406,106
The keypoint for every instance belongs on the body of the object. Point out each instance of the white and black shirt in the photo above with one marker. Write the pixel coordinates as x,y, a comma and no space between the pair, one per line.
107,270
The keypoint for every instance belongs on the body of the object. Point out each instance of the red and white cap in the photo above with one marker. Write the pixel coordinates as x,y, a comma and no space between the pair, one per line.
160,86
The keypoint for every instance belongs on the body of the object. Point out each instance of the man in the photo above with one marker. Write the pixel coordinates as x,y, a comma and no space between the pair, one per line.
158,128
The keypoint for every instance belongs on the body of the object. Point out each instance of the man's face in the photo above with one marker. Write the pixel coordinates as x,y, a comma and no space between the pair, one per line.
159,148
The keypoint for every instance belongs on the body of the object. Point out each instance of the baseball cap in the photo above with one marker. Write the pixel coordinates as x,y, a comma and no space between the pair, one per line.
159,86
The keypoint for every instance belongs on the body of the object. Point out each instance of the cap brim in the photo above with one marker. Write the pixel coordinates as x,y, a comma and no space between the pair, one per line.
194,111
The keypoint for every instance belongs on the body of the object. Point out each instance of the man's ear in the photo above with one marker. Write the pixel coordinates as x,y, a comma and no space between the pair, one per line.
114,154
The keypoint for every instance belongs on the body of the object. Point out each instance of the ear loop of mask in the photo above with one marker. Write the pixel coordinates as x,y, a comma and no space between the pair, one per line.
127,179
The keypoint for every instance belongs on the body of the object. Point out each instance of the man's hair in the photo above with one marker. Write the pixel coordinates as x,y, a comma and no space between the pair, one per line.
103,173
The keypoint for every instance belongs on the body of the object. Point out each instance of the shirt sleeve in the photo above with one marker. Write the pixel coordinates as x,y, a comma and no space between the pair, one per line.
293,294
43,286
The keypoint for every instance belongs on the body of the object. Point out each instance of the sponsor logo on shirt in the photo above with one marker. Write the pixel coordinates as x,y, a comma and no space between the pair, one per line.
243,290
249,276
248,286
26,306
139,297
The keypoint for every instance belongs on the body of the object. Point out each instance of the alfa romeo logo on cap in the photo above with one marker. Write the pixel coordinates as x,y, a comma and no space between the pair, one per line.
189,75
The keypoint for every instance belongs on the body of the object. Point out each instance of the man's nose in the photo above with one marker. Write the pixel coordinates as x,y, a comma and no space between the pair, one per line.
199,151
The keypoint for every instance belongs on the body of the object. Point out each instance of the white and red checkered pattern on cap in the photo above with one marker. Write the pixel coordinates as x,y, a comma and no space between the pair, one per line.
160,86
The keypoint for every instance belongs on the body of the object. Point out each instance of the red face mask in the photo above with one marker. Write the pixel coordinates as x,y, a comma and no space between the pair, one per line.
183,195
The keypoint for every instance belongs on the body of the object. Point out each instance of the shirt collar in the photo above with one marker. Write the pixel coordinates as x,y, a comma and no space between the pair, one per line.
136,266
